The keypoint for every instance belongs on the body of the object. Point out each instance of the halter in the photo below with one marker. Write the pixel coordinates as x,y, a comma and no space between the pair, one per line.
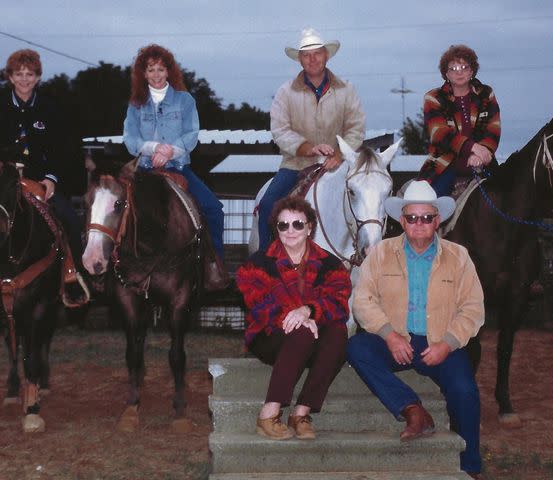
357,257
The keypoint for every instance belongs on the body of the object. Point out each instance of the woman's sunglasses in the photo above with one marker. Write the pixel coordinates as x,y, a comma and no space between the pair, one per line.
296,224
423,218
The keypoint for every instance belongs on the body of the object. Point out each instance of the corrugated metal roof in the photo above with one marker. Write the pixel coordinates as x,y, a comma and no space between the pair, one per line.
270,164
230,136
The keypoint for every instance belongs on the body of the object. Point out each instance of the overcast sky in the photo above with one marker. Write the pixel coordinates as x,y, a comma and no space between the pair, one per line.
238,46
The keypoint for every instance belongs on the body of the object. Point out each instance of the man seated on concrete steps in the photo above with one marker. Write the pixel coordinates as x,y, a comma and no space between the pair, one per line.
419,301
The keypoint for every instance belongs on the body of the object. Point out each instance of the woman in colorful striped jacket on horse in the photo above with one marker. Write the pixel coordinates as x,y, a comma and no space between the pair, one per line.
462,121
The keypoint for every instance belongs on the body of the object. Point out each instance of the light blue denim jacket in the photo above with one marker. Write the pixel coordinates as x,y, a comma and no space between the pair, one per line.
174,121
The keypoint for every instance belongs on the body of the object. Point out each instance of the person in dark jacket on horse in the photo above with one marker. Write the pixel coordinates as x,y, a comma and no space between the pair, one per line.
32,126
462,121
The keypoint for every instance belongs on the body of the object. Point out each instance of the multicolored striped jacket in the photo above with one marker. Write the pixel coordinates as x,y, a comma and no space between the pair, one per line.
271,287
443,123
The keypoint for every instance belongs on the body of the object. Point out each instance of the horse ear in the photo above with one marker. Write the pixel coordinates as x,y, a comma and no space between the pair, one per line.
348,153
387,155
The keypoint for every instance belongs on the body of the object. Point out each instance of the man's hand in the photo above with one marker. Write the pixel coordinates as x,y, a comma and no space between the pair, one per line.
50,188
322,149
400,348
333,161
435,353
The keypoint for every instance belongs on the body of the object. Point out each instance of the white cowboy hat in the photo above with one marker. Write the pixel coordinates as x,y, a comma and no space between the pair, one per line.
419,192
310,39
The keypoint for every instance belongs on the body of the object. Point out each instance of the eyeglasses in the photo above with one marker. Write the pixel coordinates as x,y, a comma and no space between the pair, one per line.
296,224
459,67
428,218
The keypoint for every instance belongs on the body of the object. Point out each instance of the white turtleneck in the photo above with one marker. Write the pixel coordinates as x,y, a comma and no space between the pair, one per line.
158,94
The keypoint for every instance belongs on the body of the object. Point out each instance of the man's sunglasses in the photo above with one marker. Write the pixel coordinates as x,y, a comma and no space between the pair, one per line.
423,218
296,224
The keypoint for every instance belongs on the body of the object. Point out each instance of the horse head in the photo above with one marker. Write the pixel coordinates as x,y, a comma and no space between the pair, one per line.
368,184
107,202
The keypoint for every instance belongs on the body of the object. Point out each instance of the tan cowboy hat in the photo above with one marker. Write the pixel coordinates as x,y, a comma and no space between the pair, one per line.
419,191
310,39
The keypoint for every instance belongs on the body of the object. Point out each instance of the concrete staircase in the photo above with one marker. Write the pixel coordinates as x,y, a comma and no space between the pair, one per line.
357,438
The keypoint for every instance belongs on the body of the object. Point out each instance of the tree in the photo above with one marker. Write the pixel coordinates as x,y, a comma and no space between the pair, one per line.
415,136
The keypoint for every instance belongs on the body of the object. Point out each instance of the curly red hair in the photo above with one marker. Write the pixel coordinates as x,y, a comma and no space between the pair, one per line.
24,58
461,52
155,53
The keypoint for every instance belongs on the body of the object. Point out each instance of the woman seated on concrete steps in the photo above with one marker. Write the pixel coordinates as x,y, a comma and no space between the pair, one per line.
297,299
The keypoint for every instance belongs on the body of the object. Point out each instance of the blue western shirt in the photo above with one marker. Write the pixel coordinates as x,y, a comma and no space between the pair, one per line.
418,274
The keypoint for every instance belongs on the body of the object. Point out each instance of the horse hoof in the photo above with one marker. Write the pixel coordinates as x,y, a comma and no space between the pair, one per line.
510,420
33,423
182,425
128,422
11,401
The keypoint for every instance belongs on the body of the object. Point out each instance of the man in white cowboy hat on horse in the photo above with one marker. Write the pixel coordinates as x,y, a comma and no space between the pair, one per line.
419,301
306,115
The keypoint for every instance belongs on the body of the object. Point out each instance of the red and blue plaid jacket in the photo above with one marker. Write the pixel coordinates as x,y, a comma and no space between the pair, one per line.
271,288
443,122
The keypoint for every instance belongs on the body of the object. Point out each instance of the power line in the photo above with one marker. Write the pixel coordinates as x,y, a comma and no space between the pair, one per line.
57,52
289,31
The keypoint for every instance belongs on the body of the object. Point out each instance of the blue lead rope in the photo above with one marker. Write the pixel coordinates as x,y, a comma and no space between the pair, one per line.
506,216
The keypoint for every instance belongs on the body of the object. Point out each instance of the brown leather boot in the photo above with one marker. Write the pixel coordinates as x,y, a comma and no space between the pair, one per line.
216,275
419,423
273,428
302,425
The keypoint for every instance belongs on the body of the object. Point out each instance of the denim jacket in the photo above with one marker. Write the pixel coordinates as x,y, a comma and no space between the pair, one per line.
174,121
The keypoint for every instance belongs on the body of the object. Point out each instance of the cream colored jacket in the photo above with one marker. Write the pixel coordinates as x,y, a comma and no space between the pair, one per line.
455,304
296,118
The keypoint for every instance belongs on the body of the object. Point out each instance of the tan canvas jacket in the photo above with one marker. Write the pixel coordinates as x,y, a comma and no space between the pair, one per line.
296,118
455,305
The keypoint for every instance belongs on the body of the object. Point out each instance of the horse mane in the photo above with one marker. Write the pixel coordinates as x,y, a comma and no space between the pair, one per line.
366,159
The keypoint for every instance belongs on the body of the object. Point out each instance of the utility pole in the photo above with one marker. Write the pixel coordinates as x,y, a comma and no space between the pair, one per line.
403,90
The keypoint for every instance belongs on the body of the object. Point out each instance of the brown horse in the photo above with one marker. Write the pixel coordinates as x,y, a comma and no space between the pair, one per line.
30,278
499,227
148,240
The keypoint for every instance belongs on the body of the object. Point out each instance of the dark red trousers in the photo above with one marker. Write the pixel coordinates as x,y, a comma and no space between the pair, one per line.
291,354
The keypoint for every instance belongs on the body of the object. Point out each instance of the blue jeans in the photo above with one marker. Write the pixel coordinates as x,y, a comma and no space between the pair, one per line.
369,355
210,207
281,185
443,184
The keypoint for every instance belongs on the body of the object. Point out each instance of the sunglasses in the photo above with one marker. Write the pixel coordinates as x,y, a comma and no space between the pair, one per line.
296,224
428,218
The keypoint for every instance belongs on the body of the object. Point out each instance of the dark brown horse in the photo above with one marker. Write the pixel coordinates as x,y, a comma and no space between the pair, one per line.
30,276
148,240
497,227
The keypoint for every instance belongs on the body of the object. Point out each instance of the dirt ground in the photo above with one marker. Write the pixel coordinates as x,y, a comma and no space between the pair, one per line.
89,386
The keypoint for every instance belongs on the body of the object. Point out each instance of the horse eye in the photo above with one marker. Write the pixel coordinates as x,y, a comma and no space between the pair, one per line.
351,192
118,206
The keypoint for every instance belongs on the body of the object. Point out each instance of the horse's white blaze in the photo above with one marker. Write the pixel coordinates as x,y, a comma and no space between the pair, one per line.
94,254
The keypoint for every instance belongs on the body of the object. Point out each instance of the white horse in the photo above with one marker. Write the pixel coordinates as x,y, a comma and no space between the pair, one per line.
349,202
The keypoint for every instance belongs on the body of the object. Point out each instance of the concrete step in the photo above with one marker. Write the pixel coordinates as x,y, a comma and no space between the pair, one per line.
335,452
341,413
249,376
342,476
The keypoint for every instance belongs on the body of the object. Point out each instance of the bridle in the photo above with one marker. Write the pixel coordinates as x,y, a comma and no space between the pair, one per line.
115,235
546,159
357,257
